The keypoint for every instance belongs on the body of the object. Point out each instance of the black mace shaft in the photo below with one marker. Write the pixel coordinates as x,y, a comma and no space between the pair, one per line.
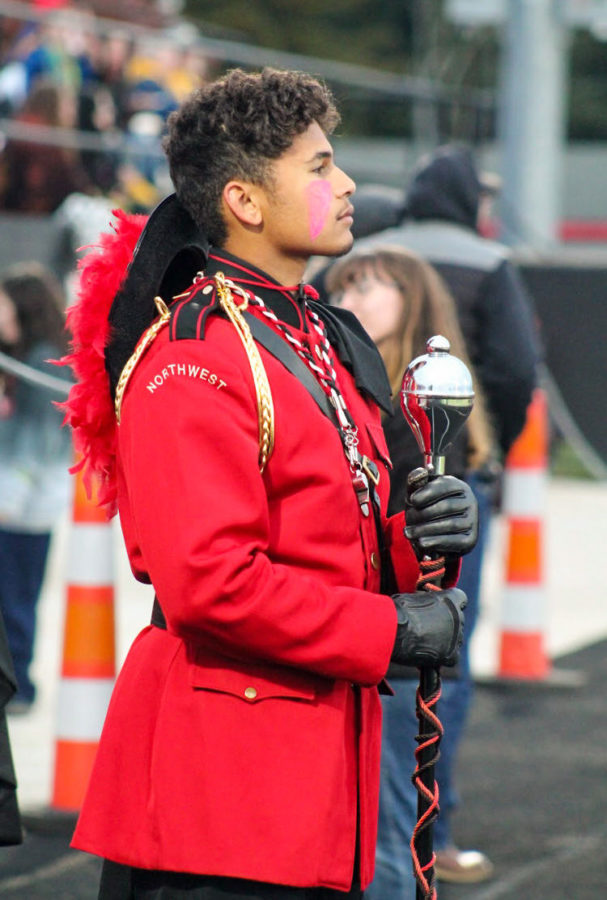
430,733
424,778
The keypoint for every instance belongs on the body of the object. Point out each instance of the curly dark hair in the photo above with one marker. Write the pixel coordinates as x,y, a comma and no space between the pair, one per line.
234,128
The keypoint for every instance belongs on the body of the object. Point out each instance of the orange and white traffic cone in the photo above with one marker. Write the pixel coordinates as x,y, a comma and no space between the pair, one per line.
522,652
89,658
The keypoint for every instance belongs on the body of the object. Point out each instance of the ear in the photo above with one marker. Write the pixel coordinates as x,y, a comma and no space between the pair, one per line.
241,198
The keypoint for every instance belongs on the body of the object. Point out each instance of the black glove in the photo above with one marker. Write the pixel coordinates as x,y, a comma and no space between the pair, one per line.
430,627
441,517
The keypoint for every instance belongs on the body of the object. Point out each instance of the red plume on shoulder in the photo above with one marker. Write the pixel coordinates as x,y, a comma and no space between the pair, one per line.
89,409
142,257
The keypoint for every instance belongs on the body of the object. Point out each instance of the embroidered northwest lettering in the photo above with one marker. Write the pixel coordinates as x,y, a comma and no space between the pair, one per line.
187,370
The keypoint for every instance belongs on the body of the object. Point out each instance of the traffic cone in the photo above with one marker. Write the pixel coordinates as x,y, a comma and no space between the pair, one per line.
522,652
89,658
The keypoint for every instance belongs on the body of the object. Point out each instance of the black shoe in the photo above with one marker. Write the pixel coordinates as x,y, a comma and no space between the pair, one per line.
17,706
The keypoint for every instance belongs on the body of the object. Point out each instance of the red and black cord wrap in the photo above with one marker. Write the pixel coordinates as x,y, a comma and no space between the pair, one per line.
427,754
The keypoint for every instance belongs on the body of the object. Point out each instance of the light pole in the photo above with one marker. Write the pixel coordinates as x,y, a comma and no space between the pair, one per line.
532,121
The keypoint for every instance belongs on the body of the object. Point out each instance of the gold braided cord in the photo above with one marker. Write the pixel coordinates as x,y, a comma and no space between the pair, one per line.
145,341
265,405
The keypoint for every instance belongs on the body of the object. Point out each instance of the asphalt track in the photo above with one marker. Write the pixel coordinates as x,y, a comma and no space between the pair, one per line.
534,778
533,774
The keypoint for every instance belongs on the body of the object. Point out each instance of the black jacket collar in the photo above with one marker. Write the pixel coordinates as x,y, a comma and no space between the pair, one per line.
287,305
354,347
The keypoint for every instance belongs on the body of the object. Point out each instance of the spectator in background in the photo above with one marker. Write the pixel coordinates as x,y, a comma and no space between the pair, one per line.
401,300
77,223
143,163
55,56
115,51
159,75
153,74
34,457
17,40
97,115
123,91
56,50
443,205
36,177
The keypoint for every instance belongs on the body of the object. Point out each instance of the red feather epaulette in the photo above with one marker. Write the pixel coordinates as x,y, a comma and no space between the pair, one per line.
89,409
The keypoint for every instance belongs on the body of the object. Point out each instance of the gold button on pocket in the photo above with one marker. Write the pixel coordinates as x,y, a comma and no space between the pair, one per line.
375,560
250,693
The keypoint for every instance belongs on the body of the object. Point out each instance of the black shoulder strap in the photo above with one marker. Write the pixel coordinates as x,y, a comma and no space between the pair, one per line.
279,348
275,345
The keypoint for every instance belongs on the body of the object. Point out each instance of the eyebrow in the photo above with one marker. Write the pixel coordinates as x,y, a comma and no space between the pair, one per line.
322,154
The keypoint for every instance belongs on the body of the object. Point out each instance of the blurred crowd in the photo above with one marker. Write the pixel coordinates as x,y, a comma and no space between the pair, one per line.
83,102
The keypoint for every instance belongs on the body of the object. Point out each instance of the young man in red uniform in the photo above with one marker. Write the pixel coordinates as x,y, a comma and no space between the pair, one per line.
240,754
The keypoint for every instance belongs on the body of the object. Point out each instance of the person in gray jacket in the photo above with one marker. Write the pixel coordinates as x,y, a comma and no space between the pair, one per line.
35,452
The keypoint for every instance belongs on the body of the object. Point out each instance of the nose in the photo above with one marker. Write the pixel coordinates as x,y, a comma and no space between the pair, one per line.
345,185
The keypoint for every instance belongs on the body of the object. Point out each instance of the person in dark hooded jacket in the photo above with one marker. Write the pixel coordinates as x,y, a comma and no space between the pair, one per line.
443,205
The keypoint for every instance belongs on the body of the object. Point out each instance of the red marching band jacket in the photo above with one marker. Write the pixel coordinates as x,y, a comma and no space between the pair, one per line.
244,740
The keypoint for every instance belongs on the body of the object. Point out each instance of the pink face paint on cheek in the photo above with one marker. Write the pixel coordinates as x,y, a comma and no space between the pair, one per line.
319,196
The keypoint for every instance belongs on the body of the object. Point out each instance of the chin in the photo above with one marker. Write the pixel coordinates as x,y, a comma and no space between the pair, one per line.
338,248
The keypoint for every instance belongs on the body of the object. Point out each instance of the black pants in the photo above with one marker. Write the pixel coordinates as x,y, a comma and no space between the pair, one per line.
126,883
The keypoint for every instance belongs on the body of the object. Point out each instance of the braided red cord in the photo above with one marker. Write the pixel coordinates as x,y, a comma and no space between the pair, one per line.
431,574
425,710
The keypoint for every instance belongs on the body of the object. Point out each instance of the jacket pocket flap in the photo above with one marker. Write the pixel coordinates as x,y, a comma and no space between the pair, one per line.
378,442
250,681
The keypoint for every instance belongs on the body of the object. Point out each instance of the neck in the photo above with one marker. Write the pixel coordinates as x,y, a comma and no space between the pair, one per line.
283,269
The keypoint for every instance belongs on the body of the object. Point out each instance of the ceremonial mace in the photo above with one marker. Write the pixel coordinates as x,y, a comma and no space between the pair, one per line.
436,399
